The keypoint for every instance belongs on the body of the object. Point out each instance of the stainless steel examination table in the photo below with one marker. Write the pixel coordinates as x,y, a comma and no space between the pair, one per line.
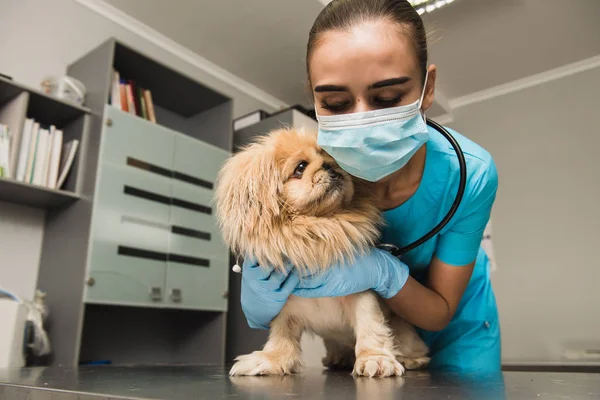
179,383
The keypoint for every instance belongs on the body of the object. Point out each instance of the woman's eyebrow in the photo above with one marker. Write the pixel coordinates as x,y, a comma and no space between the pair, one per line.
330,88
387,82
390,82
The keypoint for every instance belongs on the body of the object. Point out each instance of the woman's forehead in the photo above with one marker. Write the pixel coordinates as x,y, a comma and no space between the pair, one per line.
364,53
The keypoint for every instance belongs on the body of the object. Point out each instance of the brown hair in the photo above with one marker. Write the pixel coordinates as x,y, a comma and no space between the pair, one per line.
344,14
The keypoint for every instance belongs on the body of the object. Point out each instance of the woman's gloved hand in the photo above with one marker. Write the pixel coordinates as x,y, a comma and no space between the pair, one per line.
264,293
377,270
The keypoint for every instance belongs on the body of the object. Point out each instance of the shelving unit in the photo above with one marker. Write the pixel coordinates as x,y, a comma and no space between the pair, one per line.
18,102
134,268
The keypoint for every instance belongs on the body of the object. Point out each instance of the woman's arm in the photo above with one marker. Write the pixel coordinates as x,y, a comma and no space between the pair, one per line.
431,307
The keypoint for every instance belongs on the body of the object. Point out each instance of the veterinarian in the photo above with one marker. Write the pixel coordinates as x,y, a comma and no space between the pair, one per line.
368,70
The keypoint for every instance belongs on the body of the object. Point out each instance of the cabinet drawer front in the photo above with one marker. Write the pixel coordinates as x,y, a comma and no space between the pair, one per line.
116,277
110,225
197,160
206,240
193,208
131,137
129,192
196,287
210,247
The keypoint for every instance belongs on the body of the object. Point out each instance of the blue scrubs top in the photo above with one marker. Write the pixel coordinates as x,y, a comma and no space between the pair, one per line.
471,342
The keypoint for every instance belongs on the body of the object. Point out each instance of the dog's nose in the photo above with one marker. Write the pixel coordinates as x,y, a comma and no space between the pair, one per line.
330,171
327,167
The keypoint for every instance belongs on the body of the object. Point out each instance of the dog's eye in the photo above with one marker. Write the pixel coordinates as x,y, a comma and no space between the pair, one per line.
300,169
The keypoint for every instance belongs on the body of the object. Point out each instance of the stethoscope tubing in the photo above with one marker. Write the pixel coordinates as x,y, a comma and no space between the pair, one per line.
398,252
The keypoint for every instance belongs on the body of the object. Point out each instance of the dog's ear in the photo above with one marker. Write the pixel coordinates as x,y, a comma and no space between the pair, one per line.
247,194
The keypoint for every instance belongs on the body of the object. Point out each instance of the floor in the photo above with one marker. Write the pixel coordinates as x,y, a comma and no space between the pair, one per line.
179,383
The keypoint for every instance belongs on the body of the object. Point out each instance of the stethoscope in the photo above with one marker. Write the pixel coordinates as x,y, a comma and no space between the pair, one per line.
399,251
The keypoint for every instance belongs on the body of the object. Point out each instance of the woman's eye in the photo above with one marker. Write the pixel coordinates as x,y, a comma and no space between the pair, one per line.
300,169
336,106
387,102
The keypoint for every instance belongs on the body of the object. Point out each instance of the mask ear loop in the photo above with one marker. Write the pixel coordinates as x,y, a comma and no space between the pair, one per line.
423,95
424,87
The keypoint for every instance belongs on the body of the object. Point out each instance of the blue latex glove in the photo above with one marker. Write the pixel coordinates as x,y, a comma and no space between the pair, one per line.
377,270
264,293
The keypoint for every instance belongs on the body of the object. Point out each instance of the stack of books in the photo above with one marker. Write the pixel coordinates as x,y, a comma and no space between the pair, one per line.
37,155
128,96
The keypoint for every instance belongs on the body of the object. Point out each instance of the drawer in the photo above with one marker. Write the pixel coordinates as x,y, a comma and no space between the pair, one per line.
212,249
111,226
124,191
195,231
118,275
201,288
131,138
192,207
197,161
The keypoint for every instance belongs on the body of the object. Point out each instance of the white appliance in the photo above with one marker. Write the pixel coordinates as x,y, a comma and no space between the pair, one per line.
13,317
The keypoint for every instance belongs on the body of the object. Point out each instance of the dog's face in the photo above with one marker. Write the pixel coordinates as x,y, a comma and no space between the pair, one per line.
266,184
282,198
312,183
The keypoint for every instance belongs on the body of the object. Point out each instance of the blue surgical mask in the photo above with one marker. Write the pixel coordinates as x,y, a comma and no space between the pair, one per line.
374,144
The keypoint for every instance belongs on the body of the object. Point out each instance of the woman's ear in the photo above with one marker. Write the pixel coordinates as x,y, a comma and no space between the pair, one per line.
429,95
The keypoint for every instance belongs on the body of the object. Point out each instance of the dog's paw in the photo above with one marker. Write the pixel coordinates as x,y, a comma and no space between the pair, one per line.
414,363
262,363
377,366
339,360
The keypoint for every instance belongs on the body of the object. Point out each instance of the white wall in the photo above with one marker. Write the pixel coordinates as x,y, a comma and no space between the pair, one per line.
39,38
546,219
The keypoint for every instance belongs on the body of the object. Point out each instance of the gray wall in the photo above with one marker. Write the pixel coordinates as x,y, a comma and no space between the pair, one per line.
20,248
546,220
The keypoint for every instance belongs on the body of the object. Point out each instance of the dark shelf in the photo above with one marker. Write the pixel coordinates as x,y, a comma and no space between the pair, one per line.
35,196
170,89
9,90
44,108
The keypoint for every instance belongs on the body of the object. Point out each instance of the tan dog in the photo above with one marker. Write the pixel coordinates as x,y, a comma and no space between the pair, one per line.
282,200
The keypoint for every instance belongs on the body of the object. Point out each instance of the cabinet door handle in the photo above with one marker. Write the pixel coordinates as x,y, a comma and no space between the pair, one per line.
156,294
176,295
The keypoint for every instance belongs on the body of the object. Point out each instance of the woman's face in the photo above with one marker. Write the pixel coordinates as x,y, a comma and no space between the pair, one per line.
372,66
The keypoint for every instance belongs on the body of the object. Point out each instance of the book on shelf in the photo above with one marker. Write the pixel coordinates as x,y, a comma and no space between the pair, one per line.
128,96
41,159
4,152
67,156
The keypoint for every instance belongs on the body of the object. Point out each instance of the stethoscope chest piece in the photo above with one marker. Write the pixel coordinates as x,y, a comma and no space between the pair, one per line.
390,248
